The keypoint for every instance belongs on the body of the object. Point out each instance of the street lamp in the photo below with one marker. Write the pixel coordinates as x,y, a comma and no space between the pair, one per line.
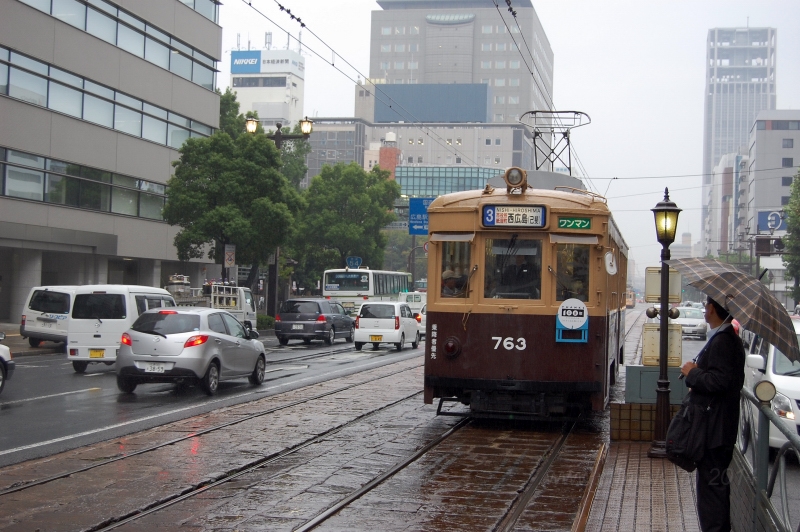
666,217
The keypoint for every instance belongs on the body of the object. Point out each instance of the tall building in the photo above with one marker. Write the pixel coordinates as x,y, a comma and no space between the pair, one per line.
465,42
96,98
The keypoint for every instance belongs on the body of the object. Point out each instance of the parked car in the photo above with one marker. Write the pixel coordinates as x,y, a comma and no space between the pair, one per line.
313,319
765,362
421,319
46,314
6,363
189,344
386,322
693,322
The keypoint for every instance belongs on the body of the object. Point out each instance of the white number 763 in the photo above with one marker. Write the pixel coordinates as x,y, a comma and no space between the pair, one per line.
509,343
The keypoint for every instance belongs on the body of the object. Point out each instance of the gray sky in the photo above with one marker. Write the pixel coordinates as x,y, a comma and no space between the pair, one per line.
636,67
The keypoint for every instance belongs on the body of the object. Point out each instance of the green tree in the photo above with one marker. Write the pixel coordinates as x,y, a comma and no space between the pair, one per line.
293,154
791,254
347,209
230,120
227,191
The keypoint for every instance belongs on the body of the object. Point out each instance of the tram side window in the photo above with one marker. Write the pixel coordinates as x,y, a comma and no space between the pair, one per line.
455,269
513,269
572,272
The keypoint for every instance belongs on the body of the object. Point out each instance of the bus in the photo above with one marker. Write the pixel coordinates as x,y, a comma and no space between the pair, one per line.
351,287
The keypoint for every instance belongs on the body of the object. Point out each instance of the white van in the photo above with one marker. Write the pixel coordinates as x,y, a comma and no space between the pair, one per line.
46,314
765,362
414,300
101,313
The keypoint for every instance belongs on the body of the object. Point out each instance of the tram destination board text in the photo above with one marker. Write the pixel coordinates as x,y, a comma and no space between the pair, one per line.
514,216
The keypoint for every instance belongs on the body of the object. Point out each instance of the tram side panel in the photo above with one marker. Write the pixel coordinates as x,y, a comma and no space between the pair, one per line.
514,358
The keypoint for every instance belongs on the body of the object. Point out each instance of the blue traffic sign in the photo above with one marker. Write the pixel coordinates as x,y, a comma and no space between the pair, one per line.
418,215
353,262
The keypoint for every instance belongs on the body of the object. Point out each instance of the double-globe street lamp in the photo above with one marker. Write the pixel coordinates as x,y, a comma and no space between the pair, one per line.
666,215
251,124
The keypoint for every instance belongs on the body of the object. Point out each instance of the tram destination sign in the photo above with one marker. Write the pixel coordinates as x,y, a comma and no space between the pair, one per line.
514,216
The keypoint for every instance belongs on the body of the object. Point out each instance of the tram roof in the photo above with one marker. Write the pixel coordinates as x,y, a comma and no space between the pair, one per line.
555,199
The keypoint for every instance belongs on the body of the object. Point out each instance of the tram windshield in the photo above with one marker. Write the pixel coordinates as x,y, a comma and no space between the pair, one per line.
455,269
513,268
572,272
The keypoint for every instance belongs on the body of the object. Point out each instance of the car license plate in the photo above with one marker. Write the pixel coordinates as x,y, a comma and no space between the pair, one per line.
97,353
155,367
375,338
297,326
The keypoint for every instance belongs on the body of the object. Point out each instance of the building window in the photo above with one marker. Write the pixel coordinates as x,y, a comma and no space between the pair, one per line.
786,181
499,99
458,142
785,200
488,142
500,82
400,30
513,100
787,162
384,65
513,64
386,30
399,65
486,29
413,47
386,48
420,141
499,64
411,141
449,142
500,47
497,160
485,81
486,64
419,159
413,65
788,143
458,160
411,159
498,117
399,47
496,142
413,30
513,82
486,47
761,124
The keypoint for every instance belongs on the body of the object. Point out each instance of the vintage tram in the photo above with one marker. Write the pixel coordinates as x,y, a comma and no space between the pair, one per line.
526,303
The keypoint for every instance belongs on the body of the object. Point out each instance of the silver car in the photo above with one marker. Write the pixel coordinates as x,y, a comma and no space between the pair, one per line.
692,322
188,345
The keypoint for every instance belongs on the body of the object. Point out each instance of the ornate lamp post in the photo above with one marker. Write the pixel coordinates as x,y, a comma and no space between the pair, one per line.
251,124
666,215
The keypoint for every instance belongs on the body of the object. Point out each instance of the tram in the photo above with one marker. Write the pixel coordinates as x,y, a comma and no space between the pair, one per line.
526,303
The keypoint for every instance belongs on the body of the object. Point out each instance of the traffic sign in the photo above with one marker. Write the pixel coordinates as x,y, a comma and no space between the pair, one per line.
418,215
230,255
425,247
353,262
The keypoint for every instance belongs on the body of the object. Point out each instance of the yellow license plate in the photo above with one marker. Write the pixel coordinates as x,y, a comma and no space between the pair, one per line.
97,353
375,338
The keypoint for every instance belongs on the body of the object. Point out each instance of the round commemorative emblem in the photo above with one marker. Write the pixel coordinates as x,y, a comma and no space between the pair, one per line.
573,314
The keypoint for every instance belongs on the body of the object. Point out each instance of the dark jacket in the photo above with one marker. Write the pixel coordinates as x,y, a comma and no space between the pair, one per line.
717,380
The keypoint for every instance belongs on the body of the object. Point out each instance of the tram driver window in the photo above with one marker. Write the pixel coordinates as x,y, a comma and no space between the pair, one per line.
572,272
513,269
455,269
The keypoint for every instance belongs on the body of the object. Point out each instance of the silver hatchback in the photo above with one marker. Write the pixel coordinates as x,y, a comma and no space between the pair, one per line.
188,345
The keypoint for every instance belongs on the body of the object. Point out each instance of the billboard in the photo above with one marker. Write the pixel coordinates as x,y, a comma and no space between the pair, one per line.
245,62
771,220
267,62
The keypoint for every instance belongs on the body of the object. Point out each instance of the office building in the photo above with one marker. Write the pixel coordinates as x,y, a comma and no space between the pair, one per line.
96,98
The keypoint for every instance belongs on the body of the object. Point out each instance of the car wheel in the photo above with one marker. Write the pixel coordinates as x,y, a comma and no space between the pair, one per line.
703,338
331,336
307,341
415,343
375,346
80,366
2,377
359,345
282,340
399,346
257,377
126,384
352,334
210,381
34,342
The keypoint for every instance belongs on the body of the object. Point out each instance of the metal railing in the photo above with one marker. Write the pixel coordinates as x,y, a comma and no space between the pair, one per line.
764,475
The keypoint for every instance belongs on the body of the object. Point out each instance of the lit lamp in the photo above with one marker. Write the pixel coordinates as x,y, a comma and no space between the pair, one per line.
251,124
666,215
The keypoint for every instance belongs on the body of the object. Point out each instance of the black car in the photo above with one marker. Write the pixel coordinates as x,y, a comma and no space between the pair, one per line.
313,319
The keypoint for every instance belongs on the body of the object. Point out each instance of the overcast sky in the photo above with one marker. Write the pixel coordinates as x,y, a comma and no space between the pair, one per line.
636,67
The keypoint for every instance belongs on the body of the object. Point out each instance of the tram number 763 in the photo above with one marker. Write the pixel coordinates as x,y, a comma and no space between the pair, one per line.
509,343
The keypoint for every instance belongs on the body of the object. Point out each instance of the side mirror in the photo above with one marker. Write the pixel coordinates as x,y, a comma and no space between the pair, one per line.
253,334
756,362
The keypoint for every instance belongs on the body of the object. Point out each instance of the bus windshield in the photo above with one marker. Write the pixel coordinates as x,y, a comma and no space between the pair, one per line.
347,281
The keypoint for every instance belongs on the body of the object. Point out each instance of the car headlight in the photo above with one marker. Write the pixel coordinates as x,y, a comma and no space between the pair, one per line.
782,406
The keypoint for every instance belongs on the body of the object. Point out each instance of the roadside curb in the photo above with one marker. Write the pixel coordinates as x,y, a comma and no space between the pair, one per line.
34,352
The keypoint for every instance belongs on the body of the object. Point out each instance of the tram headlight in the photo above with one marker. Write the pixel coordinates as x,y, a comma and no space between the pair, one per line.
516,178
452,347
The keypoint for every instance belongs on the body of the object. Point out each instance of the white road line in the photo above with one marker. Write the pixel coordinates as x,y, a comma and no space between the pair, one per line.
285,368
48,396
177,410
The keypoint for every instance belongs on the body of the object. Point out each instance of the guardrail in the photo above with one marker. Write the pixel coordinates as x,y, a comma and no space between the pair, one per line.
764,514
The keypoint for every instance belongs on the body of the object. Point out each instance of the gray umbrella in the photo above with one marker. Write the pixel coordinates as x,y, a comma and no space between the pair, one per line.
745,297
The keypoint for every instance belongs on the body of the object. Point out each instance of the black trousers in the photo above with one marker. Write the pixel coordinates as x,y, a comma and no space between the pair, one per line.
714,490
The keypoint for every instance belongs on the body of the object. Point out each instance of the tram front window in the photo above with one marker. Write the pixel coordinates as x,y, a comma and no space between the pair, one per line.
572,272
513,268
455,269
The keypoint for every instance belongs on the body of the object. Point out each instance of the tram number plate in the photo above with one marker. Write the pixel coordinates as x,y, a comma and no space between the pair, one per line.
513,216
509,343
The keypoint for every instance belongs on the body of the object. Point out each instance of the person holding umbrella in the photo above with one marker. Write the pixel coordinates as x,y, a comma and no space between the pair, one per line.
715,380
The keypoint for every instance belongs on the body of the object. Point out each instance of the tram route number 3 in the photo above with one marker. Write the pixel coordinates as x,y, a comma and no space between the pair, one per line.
509,343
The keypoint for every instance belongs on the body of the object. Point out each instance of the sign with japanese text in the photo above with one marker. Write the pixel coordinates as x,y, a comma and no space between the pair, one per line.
418,215
513,216
571,222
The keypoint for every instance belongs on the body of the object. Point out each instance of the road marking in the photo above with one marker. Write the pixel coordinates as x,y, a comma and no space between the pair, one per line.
48,396
285,368
178,410
93,374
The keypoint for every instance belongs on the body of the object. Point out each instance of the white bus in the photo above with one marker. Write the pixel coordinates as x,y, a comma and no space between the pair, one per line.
351,287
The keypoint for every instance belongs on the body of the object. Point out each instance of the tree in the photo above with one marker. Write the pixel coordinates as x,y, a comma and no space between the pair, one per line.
227,191
230,121
293,154
791,253
347,208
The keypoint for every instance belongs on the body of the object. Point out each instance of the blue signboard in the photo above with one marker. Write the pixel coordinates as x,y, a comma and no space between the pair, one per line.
245,61
771,220
353,262
418,215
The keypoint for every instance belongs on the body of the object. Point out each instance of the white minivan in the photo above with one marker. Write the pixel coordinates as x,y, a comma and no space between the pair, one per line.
101,313
765,362
46,314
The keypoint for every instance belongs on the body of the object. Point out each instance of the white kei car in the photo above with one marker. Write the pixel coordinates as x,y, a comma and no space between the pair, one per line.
386,322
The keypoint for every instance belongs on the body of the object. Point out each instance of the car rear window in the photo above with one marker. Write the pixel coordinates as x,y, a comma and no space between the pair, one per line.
377,311
103,306
156,322
49,301
692,313
300,307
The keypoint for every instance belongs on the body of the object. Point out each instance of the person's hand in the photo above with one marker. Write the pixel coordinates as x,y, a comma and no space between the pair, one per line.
687,367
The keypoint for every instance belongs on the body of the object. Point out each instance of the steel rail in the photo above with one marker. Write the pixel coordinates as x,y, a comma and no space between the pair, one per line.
39,482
